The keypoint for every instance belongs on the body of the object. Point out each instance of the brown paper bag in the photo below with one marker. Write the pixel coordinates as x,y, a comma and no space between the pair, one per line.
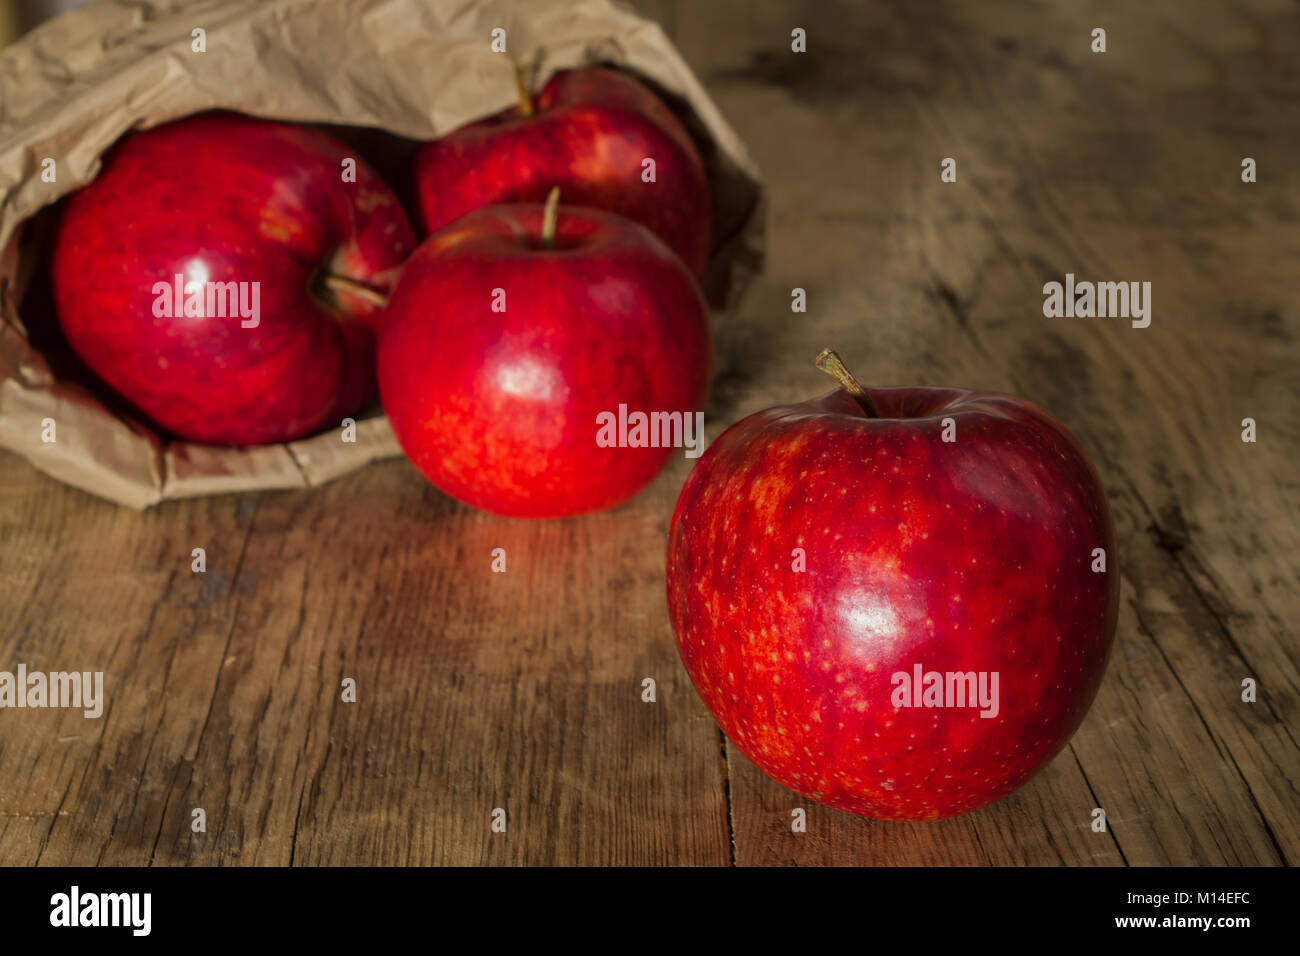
410,68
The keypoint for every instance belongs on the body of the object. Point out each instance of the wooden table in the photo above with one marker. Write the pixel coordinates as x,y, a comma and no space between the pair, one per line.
522,690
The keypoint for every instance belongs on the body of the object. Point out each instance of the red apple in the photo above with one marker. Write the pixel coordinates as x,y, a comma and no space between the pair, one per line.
821,553
587,132
500,349
283,268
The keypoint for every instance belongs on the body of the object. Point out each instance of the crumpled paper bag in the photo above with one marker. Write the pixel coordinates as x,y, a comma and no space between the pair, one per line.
414,68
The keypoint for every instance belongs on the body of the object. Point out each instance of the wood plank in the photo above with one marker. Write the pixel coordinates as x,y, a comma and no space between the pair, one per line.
476,690
1060,170
523,690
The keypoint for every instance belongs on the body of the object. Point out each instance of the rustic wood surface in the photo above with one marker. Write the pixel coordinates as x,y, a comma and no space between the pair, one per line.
523,690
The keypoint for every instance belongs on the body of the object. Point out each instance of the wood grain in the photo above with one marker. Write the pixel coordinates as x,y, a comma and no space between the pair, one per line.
1108,167
522,690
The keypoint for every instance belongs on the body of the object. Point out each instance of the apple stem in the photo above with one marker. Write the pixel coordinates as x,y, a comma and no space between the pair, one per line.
521,86
830,363
550,217
337,283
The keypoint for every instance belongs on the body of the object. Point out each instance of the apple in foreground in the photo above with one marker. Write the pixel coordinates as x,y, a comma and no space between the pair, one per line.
222,276
512,331
891,598
588,132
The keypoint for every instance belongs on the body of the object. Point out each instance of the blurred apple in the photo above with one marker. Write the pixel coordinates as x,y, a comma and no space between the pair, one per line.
588,132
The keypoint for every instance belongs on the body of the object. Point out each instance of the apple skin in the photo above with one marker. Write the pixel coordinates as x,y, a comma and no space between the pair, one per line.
974,555
228,198
590,132
499,408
